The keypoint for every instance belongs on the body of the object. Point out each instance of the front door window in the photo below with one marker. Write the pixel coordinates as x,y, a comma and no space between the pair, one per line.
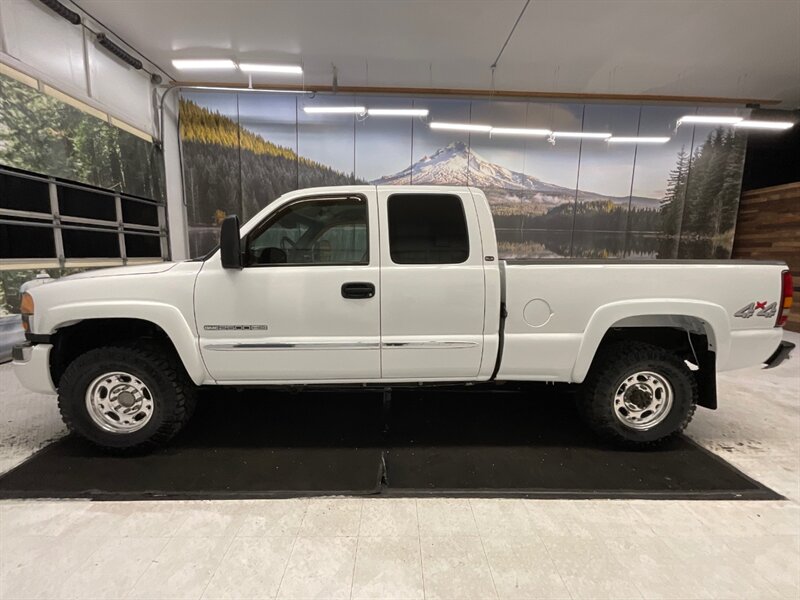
312,232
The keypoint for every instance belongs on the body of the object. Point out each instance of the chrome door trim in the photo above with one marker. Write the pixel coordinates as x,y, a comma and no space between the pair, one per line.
295,346
428,345
421,345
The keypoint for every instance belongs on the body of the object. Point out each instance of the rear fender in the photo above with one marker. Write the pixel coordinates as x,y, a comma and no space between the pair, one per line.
712,316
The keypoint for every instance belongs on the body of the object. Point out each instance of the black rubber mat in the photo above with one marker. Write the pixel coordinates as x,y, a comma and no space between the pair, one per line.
260,444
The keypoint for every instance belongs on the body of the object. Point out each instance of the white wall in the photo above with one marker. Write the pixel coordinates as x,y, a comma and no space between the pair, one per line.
176,211
37,41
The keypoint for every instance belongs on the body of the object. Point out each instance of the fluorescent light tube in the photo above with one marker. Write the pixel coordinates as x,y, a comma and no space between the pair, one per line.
519,131
582,134
765,124
637,140
398,112
709,119
460,127
350,110
262,68
215,63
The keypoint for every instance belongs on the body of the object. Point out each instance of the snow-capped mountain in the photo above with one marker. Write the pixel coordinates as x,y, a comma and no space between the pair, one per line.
456,164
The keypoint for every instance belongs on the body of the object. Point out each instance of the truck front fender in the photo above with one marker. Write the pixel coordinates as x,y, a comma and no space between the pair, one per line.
169,318
712,316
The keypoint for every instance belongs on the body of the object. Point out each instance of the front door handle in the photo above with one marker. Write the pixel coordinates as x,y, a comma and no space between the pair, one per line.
358,289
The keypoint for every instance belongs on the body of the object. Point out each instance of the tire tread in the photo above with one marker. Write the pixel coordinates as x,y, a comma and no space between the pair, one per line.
159,357
614,359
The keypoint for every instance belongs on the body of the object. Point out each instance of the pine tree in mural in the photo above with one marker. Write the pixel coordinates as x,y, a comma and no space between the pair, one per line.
672,204
234,170
712,194
702,197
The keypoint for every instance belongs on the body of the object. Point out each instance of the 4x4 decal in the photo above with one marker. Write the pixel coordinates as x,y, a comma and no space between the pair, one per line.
759,309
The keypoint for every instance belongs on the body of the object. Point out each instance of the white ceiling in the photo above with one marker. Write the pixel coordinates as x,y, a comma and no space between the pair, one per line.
726,48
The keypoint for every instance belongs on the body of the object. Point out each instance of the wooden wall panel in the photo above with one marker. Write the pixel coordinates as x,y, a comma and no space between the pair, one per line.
768,228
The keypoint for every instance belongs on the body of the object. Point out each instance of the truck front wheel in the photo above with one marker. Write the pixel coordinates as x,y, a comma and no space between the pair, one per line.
638,395
126,397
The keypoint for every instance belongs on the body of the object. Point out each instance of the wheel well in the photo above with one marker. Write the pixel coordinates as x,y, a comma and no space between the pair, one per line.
670,338
73,340
688,338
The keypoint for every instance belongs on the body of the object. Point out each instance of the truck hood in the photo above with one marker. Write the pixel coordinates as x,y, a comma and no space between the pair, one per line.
117,271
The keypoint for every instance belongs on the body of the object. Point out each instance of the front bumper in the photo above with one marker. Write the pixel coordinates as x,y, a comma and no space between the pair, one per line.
32,367
781,354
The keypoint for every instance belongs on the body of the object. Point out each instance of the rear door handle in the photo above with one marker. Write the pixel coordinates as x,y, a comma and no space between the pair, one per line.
358,289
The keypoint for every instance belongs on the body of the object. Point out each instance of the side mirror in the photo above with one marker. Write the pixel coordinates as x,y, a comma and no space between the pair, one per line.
230,244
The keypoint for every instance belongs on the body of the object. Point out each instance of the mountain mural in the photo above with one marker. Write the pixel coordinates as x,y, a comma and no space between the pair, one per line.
457,164
228,168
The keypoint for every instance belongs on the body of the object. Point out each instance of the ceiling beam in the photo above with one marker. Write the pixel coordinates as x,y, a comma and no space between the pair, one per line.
499,94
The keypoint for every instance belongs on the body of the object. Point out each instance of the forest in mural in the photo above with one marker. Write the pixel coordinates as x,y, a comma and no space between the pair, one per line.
572,199
42,134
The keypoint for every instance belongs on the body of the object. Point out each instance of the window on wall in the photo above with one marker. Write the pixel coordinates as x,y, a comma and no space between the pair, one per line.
313,232
47,222
427,229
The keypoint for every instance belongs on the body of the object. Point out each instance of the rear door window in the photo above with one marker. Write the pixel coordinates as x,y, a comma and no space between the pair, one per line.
427,229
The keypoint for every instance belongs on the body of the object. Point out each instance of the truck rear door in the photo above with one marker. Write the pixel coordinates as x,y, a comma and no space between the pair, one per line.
432,284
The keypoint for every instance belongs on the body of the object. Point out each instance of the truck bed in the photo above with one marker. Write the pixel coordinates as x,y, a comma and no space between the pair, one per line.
558,310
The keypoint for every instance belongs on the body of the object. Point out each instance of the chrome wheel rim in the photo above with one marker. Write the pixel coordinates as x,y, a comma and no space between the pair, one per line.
643,400
119,402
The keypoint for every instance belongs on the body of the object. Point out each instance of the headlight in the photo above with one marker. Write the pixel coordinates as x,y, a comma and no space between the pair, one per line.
26,309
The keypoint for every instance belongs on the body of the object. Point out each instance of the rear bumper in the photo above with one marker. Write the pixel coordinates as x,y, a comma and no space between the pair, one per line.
782,352
32,367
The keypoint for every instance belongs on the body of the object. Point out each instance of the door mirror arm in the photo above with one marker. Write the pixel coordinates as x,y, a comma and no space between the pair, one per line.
230,243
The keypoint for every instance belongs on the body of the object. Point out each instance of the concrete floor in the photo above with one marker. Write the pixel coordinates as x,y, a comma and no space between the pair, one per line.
427,548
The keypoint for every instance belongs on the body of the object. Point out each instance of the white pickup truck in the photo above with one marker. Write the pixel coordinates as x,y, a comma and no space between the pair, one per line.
389,286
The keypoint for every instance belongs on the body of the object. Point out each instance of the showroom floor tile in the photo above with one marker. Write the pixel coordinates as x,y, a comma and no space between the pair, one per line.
429,547
756,556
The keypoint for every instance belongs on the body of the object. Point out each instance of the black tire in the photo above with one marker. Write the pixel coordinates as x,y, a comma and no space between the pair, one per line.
157,366
612,367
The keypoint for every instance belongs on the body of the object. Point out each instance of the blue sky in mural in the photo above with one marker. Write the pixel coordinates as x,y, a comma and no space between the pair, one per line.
274,119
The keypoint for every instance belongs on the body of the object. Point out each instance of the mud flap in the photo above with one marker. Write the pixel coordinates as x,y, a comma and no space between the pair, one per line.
706,375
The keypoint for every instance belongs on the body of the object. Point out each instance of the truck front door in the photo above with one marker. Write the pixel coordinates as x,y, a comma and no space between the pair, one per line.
305,307
432,284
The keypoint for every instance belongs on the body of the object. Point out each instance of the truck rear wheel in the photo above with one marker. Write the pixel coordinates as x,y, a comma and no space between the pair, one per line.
127,397
638,395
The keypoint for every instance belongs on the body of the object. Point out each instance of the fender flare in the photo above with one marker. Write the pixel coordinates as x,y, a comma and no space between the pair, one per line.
165,316
713,316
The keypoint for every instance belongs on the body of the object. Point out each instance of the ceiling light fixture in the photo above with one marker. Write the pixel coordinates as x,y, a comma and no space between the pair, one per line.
520,131
350,110
398,112
186,64
264,68
709,119
460,127
637,140
581,134
775,125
